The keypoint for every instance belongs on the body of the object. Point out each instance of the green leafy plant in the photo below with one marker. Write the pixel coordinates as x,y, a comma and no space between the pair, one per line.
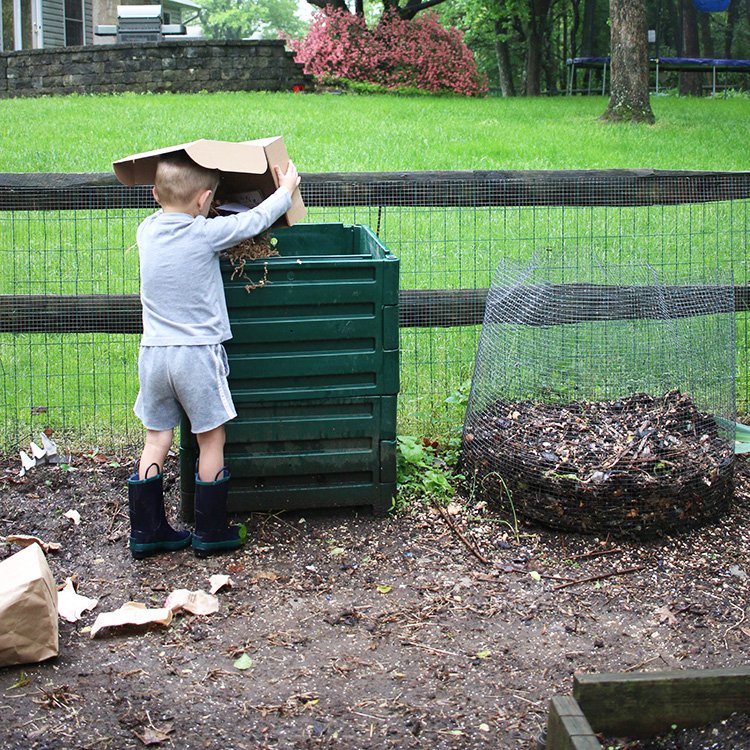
421,473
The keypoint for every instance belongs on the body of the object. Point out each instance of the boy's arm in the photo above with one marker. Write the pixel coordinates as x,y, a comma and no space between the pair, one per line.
224,232
227,231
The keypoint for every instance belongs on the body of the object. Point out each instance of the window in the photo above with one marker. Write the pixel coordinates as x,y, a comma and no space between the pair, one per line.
74,23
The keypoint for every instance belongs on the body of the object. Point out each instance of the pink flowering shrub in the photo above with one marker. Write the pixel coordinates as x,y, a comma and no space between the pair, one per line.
395,53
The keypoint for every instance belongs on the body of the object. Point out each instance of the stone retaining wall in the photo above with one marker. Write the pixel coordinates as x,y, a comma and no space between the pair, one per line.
179,66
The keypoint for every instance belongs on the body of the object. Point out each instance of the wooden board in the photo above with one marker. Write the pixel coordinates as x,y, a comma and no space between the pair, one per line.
645,704
613,187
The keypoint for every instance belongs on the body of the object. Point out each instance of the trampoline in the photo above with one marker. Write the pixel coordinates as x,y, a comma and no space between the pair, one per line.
657,64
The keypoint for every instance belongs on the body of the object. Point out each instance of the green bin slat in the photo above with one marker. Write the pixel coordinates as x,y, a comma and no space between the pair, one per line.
270,432
379,497
388,461
257,465
367,288
262,330
313,388
244,369
390,327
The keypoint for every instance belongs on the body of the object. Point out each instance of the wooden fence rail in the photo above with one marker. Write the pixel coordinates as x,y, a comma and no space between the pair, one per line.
418,308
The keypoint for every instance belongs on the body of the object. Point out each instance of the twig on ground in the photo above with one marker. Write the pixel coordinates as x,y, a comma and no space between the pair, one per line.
468,544
599,577
430,648
596,553
644,663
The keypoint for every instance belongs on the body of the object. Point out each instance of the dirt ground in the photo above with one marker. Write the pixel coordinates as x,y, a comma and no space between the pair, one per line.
363,632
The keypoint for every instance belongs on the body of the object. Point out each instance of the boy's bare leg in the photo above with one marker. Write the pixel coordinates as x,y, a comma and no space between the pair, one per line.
211,454
158,443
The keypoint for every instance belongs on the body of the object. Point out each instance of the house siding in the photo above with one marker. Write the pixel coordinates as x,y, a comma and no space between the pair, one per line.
88,22
53,23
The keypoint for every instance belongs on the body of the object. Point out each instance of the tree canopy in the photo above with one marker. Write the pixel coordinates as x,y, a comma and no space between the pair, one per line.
241,19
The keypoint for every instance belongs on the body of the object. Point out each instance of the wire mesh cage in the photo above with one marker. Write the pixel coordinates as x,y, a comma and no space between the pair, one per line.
602,395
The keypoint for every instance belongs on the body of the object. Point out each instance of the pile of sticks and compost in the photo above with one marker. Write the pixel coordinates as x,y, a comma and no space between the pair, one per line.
635,466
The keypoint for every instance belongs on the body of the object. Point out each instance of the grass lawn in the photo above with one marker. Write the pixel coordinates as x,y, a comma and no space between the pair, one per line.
84,384
328,133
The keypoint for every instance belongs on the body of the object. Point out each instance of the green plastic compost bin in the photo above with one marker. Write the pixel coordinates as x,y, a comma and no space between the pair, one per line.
314,375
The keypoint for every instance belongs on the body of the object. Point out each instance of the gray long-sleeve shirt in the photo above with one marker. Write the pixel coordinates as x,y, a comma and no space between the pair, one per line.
181,287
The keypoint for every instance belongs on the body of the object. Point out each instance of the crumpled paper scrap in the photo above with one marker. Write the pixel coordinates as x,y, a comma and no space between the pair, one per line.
70,604
26,540
132,613
196,602
219,581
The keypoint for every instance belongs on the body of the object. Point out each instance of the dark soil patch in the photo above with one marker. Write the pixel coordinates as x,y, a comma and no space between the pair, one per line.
637,466
364,632
732,732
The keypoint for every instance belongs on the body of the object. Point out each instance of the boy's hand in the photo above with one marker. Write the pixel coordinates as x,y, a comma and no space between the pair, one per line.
289,179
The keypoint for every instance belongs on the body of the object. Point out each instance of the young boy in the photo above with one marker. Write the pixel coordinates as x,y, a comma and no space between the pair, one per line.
182,363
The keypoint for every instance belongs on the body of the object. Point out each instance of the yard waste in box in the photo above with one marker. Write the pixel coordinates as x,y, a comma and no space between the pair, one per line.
313,373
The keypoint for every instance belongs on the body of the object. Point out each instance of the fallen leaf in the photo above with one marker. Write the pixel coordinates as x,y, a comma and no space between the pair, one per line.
265,575
196,602
71,605
337,551
665,614
243,662
484,654
153,735
535,576
26,540
384,588
484,727
22,681
74,516
454,509
131,613
219,581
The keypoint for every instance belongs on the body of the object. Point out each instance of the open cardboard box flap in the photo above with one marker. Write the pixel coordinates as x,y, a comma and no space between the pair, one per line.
246,174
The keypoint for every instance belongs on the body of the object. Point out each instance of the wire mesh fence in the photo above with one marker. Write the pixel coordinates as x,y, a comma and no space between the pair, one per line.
601,395
70,315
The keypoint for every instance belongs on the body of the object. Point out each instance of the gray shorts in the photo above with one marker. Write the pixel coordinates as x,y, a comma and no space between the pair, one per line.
191,377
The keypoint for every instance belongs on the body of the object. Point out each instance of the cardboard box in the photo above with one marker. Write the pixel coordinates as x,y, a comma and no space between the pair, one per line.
246,174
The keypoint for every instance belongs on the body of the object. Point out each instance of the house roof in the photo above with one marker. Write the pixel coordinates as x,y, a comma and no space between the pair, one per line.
183,3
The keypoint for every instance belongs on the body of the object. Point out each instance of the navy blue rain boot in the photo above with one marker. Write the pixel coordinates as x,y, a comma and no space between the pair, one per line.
150,531
212,533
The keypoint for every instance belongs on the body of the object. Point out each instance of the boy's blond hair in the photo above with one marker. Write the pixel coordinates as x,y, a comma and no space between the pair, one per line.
179,179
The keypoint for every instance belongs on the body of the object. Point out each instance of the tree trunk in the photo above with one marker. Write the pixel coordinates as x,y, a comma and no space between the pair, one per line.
535,45
533,59
733,13
691,83
587,37
575,23
502,54
629,100
707,42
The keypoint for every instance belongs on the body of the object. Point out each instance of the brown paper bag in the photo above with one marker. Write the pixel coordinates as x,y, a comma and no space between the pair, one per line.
28,608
